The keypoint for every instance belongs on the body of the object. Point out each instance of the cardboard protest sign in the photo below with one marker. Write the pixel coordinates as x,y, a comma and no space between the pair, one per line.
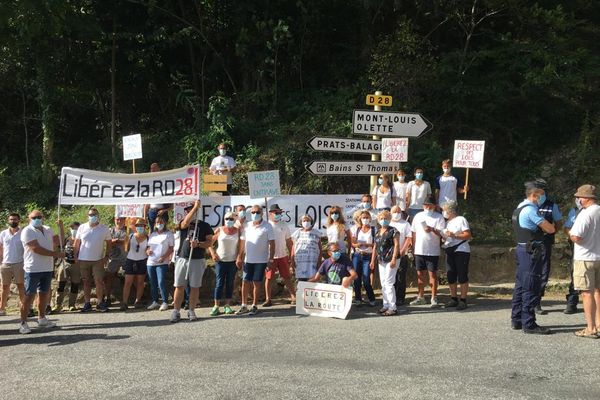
323,300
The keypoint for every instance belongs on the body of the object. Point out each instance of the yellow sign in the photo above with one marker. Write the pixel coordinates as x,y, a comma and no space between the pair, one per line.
375,100
214,183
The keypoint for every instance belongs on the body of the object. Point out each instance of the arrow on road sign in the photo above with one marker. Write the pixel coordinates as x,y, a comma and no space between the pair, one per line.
351,167
389,123
342,145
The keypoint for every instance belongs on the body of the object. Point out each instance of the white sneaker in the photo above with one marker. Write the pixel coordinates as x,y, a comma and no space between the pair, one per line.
153,306
163,307
192,315
418,301
434,302
175,316
24,328
45,323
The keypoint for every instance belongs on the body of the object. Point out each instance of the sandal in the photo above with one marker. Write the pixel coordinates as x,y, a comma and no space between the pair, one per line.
382,310
586,334
389,313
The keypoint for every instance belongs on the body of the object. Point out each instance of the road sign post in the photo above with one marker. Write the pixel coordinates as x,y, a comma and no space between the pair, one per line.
375,156
351,167
344,145
387,123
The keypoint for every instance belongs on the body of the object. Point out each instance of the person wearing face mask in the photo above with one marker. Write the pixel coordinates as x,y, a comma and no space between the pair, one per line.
337,269
400,189
258,252
366,204
385,256
136,264
447,185
116,257
68,272
426,231
383,194
551,213
160,248
11,253
241,213
456,245
240,223
306,250
90,253
363,240
223,165
404,242
416,192
336,230
39,244
281,261
529,227
572,295
154,210
228,248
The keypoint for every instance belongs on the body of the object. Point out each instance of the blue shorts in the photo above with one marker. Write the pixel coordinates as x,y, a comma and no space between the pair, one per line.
37,282
254,272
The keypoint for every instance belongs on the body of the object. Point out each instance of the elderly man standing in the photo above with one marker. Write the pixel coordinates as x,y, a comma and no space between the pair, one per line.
91,255
39,243
529,227
585,233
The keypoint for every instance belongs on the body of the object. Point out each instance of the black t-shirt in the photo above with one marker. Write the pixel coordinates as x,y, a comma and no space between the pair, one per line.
185,235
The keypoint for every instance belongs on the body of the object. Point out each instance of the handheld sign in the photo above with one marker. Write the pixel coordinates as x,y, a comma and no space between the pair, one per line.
264,184
468,154
379,100
129,210
352,167
343,145
214,183
132,147
394,150
389,123
323,300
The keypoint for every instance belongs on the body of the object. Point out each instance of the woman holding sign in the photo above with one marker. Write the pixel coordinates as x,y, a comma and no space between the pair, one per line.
385,254
336,230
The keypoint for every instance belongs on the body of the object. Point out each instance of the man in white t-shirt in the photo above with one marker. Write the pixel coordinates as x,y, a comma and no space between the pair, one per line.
585,234
404,243
426,236
447,185
400,187
223,165
416,192
258,252
281,261
11,254
39,243
89,249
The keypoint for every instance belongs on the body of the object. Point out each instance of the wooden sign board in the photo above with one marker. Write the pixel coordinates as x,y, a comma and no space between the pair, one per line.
214,183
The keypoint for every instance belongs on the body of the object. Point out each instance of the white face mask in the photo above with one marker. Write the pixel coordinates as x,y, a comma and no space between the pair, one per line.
396,216
222,152
578,204
365,221
73,232
446,170
401,178
306,224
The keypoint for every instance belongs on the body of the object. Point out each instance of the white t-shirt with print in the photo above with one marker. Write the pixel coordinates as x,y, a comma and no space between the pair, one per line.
218,165
587,227
418,194
92,241
257,239
456,225
282,234
33,262
427,244
11,246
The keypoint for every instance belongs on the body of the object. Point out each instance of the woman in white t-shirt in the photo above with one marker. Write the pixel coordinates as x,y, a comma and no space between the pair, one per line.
404,243
135,264
161,243
383,194
456,245
400,189
416,192
306,251
336,229
228,242
363,234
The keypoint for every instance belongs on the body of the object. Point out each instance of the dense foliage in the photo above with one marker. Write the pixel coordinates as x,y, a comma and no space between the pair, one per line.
265,76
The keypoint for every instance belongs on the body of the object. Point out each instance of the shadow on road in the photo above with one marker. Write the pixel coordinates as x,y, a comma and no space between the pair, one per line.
58,340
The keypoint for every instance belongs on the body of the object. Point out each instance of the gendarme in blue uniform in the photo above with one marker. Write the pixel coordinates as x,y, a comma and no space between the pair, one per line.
530,252
551,213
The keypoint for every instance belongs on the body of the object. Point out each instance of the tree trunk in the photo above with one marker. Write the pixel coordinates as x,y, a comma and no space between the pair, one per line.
46,100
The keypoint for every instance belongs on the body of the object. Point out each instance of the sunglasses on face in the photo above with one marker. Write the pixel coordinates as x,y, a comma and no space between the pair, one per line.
229,219
255,212
335,213
37,217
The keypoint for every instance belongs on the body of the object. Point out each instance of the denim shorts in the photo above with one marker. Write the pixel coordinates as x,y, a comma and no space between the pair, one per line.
37,282
254,272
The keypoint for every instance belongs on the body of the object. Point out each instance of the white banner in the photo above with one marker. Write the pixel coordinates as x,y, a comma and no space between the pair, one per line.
213,208
129,210
323,300
468,153
82,186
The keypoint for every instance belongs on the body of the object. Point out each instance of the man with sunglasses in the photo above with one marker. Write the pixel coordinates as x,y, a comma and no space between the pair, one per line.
39,242
89,251
258,251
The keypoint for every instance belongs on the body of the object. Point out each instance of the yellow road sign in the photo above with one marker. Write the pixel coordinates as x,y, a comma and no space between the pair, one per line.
375,100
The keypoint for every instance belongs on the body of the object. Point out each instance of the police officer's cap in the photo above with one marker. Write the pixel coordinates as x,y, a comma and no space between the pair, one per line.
531,185
542,184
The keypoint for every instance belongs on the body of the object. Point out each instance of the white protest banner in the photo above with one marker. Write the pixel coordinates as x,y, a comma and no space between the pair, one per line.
263,184
132,147
213,208
323,300
129,210
82,186
394,149
468,153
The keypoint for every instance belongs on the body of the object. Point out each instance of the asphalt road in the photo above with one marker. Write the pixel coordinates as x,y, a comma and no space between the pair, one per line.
419,354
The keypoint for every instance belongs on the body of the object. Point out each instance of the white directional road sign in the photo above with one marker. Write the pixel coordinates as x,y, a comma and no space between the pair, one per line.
389,123
342,145
352,167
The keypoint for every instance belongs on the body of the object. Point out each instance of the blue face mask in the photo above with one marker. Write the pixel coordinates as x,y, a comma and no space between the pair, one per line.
336,255
419,176
335,216
277,217
380,181
242,214
256,217
541,200
384,223
36,223
160,227
93,219
429,212
140,229
229,223
366,205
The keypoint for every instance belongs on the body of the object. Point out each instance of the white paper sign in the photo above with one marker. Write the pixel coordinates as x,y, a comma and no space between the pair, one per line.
323,300
394,150
132,147
468,153
263,184
129,210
